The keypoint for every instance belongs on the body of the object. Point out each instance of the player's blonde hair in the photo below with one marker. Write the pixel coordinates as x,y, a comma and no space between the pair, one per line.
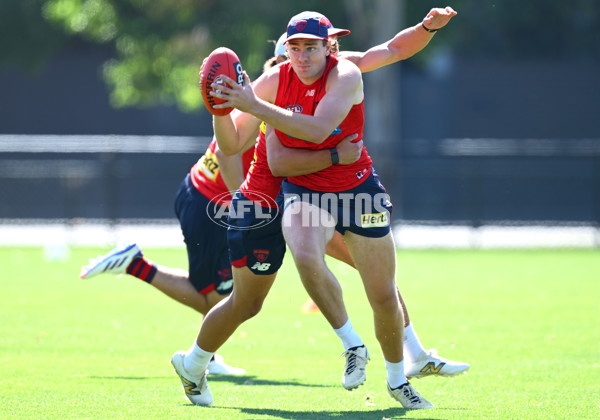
335,46
273,61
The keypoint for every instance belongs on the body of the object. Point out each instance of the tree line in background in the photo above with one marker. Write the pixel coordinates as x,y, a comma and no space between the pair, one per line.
158,45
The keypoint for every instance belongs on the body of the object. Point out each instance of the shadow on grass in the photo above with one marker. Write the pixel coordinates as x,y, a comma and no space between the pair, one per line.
238,380
253,380
127,378
388,413
338,415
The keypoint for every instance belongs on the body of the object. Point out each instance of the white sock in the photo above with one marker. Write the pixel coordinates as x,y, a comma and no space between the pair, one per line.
196,360
412,346
349,337
395,374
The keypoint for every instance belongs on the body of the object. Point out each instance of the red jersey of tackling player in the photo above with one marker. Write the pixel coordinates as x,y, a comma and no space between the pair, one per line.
261,186
295,96
206,174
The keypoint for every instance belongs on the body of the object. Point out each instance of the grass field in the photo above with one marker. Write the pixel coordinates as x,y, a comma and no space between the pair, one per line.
527,321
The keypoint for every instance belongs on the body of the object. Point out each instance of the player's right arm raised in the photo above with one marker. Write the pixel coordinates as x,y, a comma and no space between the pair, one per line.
403,45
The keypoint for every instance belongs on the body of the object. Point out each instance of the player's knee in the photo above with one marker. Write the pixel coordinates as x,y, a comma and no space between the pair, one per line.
384,300
250,309
308,260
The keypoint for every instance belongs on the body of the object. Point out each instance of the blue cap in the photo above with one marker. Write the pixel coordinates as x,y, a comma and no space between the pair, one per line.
338,31
308,25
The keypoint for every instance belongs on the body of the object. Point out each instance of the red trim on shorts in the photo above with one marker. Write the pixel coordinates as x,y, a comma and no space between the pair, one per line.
241,262
207,289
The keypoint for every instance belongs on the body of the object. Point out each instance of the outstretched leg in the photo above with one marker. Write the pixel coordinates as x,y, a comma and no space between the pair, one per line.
249,293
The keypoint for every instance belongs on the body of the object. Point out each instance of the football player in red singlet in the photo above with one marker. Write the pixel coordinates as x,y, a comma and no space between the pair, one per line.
338,86
323,100
403,45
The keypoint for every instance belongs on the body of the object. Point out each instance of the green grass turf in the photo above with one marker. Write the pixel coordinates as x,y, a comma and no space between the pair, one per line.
527,321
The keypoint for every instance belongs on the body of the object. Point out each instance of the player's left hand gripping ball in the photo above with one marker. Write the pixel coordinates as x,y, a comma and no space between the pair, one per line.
221,61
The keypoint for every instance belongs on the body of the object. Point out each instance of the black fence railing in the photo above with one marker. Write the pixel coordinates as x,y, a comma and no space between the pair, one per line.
471,182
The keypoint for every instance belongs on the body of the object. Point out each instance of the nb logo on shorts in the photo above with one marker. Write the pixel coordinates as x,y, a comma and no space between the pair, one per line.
261,266
225,285
374,220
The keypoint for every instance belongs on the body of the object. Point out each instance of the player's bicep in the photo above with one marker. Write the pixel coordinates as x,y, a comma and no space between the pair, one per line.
343,91
375,58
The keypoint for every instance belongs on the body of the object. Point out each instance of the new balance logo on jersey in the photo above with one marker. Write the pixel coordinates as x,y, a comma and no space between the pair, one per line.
432,368
261,266
310,92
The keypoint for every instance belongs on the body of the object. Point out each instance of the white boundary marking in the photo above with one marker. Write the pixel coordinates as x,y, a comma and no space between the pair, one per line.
159,233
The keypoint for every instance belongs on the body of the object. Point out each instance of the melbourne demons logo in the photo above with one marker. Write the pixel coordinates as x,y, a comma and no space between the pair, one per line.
261,254
301,25
294,108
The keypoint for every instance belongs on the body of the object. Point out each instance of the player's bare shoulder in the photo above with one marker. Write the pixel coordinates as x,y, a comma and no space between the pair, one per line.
266,85
346,75
347,71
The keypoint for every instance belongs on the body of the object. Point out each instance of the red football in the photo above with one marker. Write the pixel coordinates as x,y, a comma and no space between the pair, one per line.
220,61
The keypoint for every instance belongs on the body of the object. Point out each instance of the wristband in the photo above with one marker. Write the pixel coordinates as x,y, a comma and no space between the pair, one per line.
427,29
335,158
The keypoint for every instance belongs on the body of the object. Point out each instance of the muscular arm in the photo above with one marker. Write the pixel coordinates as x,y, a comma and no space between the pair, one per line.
288,161
344,89
404,45
235,131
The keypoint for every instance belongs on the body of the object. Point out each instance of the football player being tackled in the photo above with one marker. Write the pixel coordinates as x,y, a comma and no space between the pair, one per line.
253,276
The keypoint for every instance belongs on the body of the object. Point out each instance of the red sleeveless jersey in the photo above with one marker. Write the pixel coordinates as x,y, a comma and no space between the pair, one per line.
261,186
206,174
293,95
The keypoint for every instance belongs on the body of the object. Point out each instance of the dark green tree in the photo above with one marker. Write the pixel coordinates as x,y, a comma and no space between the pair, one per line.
158,45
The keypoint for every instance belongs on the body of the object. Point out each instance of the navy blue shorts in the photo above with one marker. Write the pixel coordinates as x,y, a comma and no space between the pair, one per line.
364,210
206,241
254,236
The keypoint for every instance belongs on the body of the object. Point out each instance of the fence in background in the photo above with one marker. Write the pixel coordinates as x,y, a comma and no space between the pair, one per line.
466,188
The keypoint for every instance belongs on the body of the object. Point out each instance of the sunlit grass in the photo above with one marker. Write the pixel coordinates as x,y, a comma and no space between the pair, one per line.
527,321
